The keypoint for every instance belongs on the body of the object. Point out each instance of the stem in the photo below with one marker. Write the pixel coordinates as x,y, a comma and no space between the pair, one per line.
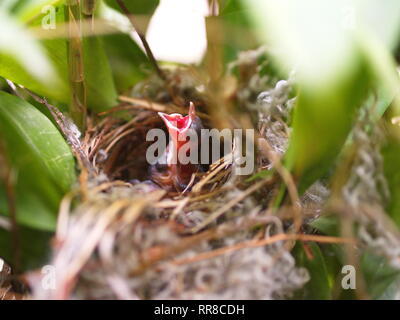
218,105
75,64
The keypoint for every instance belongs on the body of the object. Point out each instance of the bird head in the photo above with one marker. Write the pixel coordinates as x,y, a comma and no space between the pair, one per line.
177,173
179,126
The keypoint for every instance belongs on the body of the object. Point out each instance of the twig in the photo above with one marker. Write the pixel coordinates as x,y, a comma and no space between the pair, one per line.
68,129
14,88
215,168
7,294
148,105
182,203
150,260
158,254
155,106
260,243
287,179
231,204
142,37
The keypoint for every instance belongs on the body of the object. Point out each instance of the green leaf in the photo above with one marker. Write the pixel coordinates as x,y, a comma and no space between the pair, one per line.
7,5
378,275
23,59
53,54
260,175
320,38
237,27
384,74
128,62
34,245
318,288
41,159
370,15
328,73
333,72
101,92
321,123
327,224
297,31
100,89
391,161
27,10
137,7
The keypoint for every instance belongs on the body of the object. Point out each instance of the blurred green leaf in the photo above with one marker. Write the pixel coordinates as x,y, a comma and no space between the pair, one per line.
391,161
370,14
137,7
7,5
318,288
100,89
378,275
310,36
141,9
338,55
327,224
41,159
26,10
383,73
34,245
101,92
128,62
322,121
260,175
238,29
320,39
54,51
23,59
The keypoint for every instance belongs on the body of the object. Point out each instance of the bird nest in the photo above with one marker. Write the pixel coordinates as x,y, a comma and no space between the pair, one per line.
120,236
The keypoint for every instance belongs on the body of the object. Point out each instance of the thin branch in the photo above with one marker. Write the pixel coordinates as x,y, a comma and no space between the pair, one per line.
287,178
155,106
231,204
260,243
154,255
15,89
142,37
69,130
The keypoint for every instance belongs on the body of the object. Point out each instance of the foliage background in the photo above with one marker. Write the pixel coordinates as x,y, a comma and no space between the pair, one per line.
343,54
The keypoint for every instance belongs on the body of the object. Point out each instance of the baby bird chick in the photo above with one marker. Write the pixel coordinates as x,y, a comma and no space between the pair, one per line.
170,173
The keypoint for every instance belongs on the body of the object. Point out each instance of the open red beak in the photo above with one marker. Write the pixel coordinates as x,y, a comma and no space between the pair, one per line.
178,125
